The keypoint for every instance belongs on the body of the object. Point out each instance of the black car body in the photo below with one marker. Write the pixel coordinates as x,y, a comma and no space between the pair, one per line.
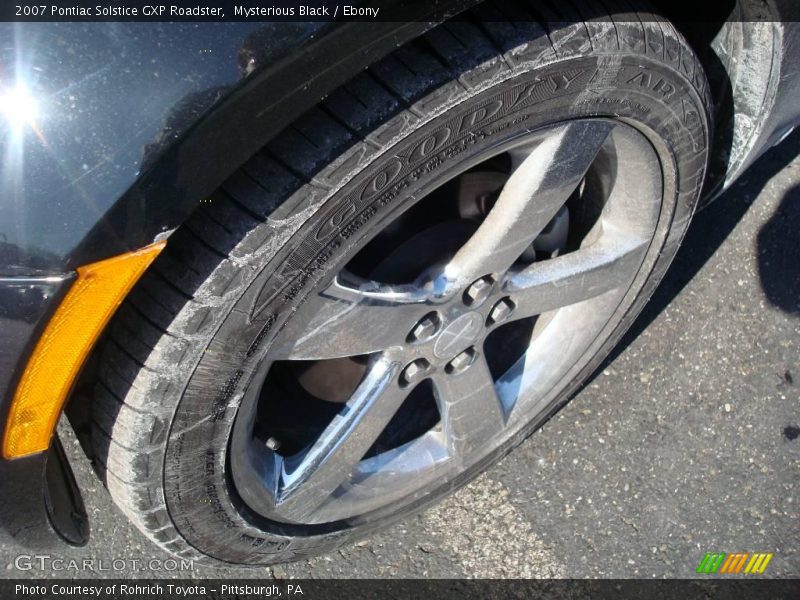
140,121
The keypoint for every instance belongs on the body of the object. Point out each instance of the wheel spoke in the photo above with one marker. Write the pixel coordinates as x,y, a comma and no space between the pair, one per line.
471,411
534,193
420,330
307,481
349,320
587,273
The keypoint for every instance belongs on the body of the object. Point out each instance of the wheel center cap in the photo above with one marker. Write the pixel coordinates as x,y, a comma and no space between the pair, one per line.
458,335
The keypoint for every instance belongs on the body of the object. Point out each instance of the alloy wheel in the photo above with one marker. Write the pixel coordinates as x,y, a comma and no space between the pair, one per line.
553,228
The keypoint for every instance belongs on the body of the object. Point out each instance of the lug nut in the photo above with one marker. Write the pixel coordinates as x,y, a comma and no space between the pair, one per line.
461,361
478,291
501,311
415,372
425,329
273,444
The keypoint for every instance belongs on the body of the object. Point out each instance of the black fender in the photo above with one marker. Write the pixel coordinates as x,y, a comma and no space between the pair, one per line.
137,123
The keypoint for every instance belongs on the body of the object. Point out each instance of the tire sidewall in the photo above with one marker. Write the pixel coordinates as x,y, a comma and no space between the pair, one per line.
200,496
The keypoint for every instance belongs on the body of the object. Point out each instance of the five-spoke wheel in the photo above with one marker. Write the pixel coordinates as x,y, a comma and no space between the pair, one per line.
435,328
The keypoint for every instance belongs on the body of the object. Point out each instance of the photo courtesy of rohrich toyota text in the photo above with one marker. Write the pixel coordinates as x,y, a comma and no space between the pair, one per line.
399,298
173,590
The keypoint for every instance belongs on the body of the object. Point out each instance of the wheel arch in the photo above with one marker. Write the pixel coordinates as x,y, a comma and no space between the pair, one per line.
252,112
739,43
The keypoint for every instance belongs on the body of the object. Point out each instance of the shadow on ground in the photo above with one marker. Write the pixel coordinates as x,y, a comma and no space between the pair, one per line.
779,254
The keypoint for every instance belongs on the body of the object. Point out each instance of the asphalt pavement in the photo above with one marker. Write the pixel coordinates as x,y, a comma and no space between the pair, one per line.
686,442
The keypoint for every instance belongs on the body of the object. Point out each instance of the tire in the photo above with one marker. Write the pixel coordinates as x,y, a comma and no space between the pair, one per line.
183,351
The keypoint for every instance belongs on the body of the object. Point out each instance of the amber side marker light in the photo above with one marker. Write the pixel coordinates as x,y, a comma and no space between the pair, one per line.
64,345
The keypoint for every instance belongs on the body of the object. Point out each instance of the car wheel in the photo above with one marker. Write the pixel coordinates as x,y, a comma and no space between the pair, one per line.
402,286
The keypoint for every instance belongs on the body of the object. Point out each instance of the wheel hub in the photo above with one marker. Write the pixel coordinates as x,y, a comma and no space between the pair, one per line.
448,339
461,333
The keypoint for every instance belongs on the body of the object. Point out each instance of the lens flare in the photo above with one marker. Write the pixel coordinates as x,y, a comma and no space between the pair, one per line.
19,108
